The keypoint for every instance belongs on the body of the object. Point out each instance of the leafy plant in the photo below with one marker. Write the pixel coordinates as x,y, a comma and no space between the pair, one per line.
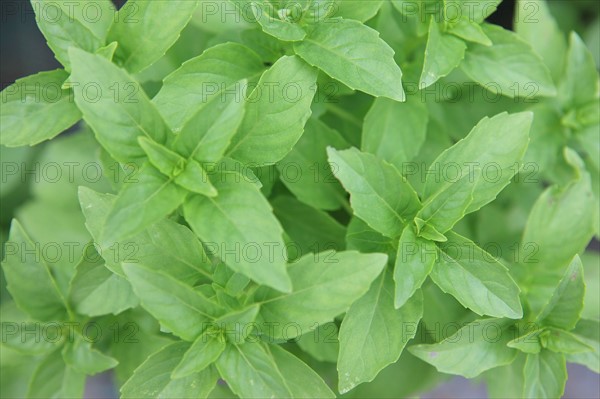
300,198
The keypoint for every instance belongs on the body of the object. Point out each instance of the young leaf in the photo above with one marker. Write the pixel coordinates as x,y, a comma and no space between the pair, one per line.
564,307
476,279
471,173
207,134
177,306
142,203
35,109
475,348
414,261
140,42
96,291
510,62
275,113
545,375
469,31
395,131
115,106
152,379
379,194
66,24
195,179
374,333
204,351
325,285
80,355
354,54
262,11
166,161
306,172
204,79
443,54
239,225
29,278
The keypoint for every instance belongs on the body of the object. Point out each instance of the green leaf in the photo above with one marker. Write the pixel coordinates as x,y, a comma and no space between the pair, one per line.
379,194
471,173
545,375
237,325
528,342
141,203
195,179
475,348
305,383
561,341
544,36
152,379
395,132
169,163
476,279
310,230
354,54
414,261
207,134
443,54
507,67
115,106
564,307
96,291
29,279
24,337
306,172
205,79
35,109
54,379
204,351
363,238
373,333
140,43
359,10
325,285
321,343
164,243
271,371
275,113
580,83
240,227
588,331
469,31
571,208
80,355
178,307
66,24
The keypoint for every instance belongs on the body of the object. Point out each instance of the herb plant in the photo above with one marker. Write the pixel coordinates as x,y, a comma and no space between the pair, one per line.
272,198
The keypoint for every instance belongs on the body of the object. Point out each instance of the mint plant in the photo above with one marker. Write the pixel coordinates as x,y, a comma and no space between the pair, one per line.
306,198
